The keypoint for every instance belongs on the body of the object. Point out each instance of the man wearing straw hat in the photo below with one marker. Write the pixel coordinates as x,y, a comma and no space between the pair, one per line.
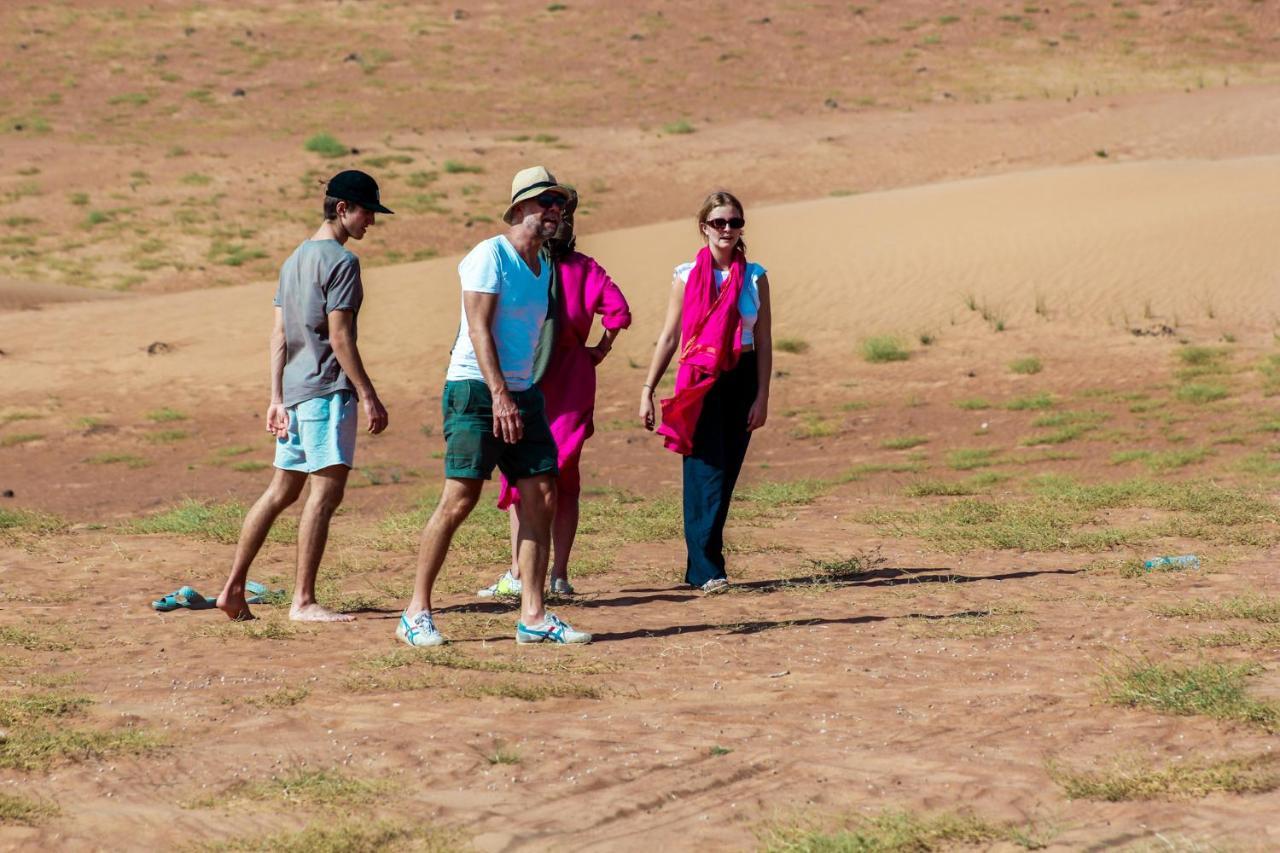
493,413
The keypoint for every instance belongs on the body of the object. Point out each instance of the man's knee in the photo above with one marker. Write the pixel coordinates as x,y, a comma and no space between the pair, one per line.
457,501
328,486
285,488
538,494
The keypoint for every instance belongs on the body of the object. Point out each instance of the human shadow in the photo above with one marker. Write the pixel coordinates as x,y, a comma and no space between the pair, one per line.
899,576
754,627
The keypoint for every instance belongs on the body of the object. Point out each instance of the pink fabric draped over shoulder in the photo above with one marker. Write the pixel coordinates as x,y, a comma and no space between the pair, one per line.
711,332
569,384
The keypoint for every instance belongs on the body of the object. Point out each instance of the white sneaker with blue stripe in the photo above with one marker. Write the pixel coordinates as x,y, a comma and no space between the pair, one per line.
553,630
419,631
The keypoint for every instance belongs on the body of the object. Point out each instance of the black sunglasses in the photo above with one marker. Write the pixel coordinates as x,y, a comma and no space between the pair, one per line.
720,224
548,200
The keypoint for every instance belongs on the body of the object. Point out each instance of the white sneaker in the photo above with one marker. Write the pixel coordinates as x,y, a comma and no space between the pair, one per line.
553,630
560,586
505,587
715,585
420,631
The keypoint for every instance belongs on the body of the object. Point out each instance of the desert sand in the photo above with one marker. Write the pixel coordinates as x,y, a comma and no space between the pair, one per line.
939,619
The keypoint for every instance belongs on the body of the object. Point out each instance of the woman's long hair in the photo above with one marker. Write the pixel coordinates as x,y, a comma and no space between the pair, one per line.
721,198
565,240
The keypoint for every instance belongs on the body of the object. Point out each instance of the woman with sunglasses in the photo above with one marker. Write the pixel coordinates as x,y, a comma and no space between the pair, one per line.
719,315
565,372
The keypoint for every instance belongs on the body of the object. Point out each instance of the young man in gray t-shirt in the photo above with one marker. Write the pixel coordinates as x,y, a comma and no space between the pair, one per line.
317,378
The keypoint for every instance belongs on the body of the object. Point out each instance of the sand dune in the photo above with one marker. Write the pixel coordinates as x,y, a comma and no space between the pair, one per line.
1093,244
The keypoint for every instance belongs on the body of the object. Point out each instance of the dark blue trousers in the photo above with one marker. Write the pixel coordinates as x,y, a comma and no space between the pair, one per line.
711,470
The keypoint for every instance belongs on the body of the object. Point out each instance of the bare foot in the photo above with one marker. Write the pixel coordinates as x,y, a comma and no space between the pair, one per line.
234,605
316,613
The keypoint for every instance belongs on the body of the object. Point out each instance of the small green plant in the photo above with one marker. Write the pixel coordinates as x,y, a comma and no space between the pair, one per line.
503,754
454,167
1138,780
19,438
165,436
326,145
1032,403
1026,366
216,522
719,750
791,345
966,459
892,831
973,404
166,415
1210,689
676,128
884,348
905,442
129,460
1200,393
19,811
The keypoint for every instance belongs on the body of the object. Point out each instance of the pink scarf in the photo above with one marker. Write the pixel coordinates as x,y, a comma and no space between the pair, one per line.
711,330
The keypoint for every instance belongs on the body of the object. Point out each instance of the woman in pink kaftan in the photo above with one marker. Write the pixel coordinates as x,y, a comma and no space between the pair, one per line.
582,290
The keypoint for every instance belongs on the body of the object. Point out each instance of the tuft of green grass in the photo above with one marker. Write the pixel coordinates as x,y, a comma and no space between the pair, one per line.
813,425
211,521
454,167
29,748
968,458
954,488
249,465
1032,403
20,438
1256,608
884,348
1026,366
1200,393
891,831
1209,689
14,521
19,811
127,459
1127,781
326,145
791,345
166,415
257,629
973,404
978,624
316,788
503,754
165,436
1196,356
357,835
774,494
677,128
905,442
284,697
32,641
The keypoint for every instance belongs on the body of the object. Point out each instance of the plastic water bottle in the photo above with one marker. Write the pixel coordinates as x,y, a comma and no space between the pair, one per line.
1181,561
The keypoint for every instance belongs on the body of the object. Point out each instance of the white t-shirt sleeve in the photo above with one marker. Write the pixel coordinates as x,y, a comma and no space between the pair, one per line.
683,270
480,271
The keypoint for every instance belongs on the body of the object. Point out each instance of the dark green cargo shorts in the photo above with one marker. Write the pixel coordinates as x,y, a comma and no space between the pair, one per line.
471,448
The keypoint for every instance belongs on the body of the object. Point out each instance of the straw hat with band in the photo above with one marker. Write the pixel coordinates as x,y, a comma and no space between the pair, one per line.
531,183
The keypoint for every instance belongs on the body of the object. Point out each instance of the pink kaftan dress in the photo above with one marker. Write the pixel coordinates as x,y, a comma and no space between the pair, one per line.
569,384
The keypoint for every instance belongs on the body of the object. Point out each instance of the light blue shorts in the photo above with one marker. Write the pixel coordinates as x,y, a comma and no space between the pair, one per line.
322,433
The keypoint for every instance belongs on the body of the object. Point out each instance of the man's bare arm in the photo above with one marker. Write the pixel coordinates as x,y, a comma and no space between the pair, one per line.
342,336
277,416
482,310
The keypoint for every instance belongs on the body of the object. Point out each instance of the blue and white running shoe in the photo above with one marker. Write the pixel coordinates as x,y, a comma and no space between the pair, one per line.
553,630
419,631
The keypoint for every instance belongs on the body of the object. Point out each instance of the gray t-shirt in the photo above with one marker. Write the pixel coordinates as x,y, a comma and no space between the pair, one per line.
320,276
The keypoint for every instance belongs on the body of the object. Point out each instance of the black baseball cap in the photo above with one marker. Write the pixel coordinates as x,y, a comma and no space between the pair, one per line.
358,188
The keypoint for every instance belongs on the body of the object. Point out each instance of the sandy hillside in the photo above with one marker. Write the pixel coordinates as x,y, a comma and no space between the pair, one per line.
939,626
1026,304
